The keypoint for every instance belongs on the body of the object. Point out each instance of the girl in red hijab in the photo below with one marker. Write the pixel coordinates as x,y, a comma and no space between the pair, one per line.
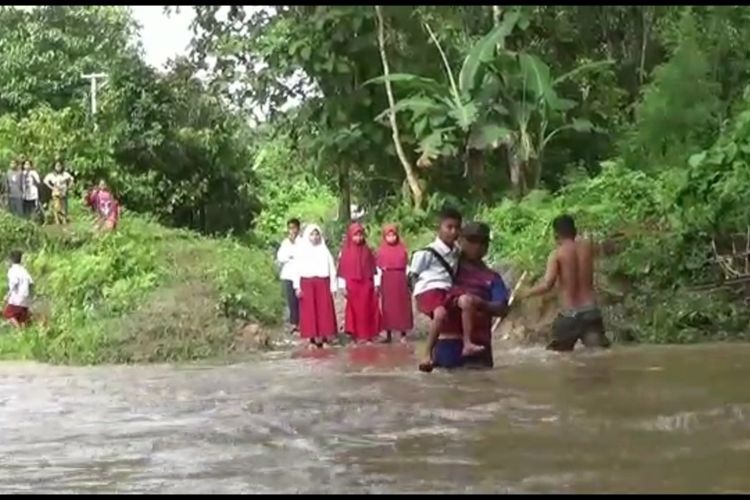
393,260
358,272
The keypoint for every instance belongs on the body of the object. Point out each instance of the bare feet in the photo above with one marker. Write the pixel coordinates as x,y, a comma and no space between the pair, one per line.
403,339
471,349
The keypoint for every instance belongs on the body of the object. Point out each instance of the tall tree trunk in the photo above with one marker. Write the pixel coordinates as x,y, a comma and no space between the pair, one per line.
515,170
345,194
645,28
411,176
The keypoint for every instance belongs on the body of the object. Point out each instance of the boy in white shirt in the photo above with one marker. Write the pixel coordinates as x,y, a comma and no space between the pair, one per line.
434,269
285,261
20,291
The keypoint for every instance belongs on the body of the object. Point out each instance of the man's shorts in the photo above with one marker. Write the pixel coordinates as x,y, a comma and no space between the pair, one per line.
586,324
18,313
447,354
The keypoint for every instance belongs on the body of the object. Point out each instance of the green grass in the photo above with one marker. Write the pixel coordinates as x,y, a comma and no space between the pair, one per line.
142,293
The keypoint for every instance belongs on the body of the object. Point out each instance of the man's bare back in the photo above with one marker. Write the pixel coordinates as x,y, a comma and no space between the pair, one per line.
571,265
574,260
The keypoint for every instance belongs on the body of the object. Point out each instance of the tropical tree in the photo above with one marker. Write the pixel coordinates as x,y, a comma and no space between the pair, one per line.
499,97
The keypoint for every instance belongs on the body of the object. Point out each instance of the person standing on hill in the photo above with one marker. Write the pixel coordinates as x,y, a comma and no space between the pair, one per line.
360,280
105,206
59,182
314,280
393,261
31,183
284,259
572,265
14,188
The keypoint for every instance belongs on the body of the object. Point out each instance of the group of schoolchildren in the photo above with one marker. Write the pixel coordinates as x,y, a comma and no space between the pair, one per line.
378,286
449,281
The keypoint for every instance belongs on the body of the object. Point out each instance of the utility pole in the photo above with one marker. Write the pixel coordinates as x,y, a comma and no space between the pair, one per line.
92,77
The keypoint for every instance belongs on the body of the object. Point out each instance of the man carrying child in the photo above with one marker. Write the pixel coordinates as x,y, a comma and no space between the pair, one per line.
482,294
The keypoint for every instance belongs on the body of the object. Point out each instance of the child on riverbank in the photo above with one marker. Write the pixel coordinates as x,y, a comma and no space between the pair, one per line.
393,259
20,291
314,281
359,278
434,270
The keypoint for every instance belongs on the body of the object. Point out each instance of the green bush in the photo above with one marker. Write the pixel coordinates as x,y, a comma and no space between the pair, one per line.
141,293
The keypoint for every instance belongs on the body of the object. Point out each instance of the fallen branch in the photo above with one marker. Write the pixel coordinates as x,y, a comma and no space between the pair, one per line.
721,284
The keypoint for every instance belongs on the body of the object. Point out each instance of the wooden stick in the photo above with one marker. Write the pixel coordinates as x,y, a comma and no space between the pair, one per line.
510,300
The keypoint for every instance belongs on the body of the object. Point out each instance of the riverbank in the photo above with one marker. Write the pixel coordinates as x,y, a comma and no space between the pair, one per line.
144,293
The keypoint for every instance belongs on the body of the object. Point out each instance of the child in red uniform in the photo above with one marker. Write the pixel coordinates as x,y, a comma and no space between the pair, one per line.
393,259
359,277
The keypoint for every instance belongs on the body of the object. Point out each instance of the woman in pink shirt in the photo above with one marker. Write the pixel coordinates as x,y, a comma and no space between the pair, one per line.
105,206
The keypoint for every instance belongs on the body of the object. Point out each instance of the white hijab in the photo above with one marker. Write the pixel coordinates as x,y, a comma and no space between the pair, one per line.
313,261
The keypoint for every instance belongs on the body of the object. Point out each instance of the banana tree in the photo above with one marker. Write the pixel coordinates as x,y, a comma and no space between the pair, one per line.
499,98
537,114
461,115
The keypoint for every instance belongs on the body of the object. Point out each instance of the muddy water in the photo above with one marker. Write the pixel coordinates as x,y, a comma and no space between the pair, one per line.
364,420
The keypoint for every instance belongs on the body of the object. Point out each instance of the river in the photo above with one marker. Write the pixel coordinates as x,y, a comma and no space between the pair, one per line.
641,419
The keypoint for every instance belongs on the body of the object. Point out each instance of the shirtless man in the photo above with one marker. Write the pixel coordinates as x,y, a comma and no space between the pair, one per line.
572,264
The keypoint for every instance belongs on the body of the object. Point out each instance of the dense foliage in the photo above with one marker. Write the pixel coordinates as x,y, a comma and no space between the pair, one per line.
518,114
142,293
634,118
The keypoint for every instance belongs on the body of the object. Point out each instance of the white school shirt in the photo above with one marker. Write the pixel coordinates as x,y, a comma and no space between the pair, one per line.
284,257
19,286
431,275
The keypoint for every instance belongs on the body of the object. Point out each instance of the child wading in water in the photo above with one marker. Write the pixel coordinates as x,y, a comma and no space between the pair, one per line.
434,270
315,282
360,278
20,291
393,260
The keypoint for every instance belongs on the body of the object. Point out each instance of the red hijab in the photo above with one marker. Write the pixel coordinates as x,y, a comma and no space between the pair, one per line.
357,262
394,256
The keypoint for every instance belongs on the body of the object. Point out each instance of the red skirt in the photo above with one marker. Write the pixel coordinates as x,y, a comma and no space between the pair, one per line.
18,313
362,310
316,309
396,301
